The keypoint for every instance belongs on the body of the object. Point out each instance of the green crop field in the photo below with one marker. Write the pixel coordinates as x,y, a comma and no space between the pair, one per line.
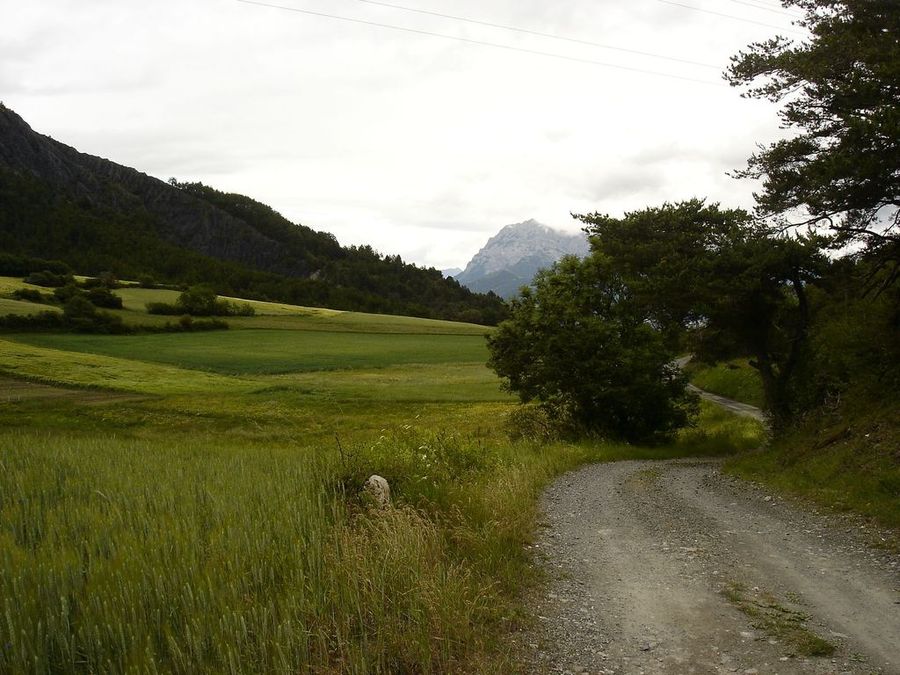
275,351
187,503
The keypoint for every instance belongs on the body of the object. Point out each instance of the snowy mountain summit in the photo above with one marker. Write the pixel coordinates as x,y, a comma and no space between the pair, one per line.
512,257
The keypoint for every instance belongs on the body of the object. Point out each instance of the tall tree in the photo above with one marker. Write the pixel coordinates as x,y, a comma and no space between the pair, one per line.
740,290
840,89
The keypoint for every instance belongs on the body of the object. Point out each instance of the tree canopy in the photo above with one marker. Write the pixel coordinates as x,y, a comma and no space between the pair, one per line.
716,273
579,346
840,89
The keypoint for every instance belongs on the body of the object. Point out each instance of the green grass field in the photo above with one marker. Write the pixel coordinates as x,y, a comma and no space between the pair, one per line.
269,315
206,516
275,351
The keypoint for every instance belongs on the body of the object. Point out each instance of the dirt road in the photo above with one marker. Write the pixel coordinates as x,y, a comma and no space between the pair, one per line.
671,567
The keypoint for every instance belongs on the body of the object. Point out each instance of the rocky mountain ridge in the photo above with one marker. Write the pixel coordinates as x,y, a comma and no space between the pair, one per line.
511,258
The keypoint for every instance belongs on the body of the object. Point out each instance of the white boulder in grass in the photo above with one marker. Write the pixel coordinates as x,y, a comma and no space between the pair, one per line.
378,490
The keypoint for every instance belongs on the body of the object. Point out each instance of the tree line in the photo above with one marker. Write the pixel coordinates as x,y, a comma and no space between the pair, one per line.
39,221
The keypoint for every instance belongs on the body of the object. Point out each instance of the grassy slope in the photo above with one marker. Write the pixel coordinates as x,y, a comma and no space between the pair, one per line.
844,458
274,351
217,521
269,315
734,379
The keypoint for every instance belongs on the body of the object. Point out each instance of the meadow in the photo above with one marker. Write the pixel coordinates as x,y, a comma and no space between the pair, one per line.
192,504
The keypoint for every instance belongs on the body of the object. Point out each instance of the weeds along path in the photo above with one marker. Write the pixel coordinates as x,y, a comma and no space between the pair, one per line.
671,567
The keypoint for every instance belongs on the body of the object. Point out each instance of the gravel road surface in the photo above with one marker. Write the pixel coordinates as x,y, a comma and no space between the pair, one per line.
672,567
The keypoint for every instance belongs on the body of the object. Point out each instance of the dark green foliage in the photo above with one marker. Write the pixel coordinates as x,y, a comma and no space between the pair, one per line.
854,338
31,295
585,351
201,300
20,266
740,289
65,293
841,92
42,321
49,279
79,307
101,296
163,308
188,324
106,280
78,316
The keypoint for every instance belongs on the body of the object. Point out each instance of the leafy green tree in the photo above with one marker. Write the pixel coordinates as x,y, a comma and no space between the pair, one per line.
198,300
101,296
840,89
78,307
714,272
577,345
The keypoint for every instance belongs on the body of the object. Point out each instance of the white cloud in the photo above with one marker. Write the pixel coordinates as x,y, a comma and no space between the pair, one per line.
414,144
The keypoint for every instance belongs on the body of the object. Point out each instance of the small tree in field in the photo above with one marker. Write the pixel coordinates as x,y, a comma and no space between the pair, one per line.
578,346
198,301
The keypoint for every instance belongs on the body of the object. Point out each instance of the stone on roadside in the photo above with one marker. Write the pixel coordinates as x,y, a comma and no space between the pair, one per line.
378,492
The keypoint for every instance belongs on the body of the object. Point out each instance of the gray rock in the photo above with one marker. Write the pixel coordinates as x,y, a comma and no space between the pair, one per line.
377,490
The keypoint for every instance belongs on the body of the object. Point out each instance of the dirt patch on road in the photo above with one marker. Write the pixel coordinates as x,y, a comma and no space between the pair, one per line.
671,567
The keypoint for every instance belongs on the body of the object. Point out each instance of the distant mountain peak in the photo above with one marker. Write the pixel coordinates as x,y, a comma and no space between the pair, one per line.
512,257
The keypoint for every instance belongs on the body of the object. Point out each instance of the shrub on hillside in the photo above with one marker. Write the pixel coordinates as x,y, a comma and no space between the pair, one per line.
104,280
82,316
31,295
49,279
188,324
200,301
65,293
78,316
101,296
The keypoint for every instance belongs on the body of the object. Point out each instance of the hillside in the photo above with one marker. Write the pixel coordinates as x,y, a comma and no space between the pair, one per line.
512,257
96,215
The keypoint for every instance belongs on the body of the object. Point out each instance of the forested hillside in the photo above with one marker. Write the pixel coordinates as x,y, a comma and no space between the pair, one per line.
95,215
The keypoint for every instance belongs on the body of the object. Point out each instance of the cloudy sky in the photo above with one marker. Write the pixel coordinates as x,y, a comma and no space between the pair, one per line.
417,144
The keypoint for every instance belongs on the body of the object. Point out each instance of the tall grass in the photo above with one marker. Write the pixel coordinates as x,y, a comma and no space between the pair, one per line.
124,556
223,554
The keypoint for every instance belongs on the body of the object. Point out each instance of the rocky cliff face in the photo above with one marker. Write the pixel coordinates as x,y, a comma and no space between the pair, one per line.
512,257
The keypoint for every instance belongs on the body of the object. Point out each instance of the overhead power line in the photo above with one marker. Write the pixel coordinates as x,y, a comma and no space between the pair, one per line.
483,43
766,9
528,31
729,16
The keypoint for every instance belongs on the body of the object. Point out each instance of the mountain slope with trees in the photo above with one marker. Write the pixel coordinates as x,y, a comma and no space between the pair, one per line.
95,215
